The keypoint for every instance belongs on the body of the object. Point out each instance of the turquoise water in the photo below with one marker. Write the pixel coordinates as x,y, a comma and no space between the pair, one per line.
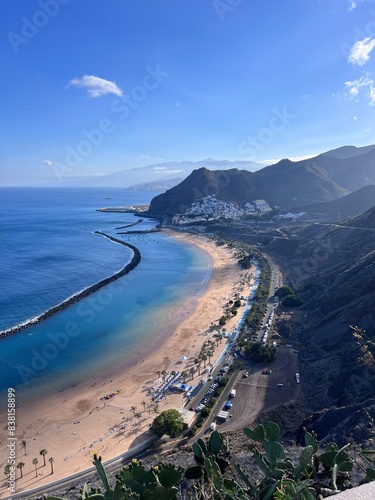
51,253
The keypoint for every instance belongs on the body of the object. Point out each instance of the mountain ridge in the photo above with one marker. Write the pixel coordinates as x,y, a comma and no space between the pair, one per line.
286,184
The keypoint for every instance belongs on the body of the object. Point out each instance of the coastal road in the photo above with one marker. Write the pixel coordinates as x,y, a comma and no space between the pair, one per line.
259,392
111,466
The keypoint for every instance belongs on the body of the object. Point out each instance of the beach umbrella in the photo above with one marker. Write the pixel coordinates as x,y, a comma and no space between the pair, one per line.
183,358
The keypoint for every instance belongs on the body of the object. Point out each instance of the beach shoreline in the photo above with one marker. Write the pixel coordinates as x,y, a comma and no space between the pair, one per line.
74,423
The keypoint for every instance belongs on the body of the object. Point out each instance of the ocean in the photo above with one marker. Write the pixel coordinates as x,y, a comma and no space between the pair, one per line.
49,252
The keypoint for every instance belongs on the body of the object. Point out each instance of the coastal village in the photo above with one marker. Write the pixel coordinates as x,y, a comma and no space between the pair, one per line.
209,208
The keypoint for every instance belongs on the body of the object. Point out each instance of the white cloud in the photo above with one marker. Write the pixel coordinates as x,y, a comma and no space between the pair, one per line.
145,157
354,4
160,168
365,82
178,105
355,118
96,87
48,162
371,94
300,158
360,52
291,158
166,171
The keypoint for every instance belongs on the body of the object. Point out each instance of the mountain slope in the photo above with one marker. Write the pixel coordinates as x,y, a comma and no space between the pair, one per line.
332,266
348,206
348,151
289,184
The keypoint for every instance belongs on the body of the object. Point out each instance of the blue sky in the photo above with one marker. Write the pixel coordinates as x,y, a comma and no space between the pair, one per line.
93,87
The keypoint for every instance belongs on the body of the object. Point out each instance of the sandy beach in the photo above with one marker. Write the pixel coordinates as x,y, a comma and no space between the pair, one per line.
72,424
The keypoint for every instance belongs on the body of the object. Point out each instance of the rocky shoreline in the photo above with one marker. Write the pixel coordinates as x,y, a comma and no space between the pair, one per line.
136,259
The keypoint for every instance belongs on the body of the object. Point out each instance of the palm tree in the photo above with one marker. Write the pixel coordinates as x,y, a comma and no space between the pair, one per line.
158,373
20,466
133,409
155,409
51,460
184,375
23,445
164,374
7,470
197,361
192,371
209,354
138,415
35,463
204,359
43,453
144,405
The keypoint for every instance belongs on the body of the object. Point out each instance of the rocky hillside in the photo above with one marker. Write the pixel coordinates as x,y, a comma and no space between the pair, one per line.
286,184
332,266
348,206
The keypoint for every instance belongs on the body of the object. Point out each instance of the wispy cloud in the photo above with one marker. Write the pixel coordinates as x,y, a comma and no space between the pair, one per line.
160,168
365,83
47,162
96,87
145,157
353,4
178,105
360,52
166,171
291,158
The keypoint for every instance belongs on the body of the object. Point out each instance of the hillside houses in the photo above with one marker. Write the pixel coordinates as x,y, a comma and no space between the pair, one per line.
210,208
262,206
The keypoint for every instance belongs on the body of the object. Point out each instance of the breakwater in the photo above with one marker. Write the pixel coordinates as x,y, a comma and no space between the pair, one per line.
136,259
139,221
145,231
134,209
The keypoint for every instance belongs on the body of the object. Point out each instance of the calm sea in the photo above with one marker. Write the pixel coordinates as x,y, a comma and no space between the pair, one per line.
49,251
